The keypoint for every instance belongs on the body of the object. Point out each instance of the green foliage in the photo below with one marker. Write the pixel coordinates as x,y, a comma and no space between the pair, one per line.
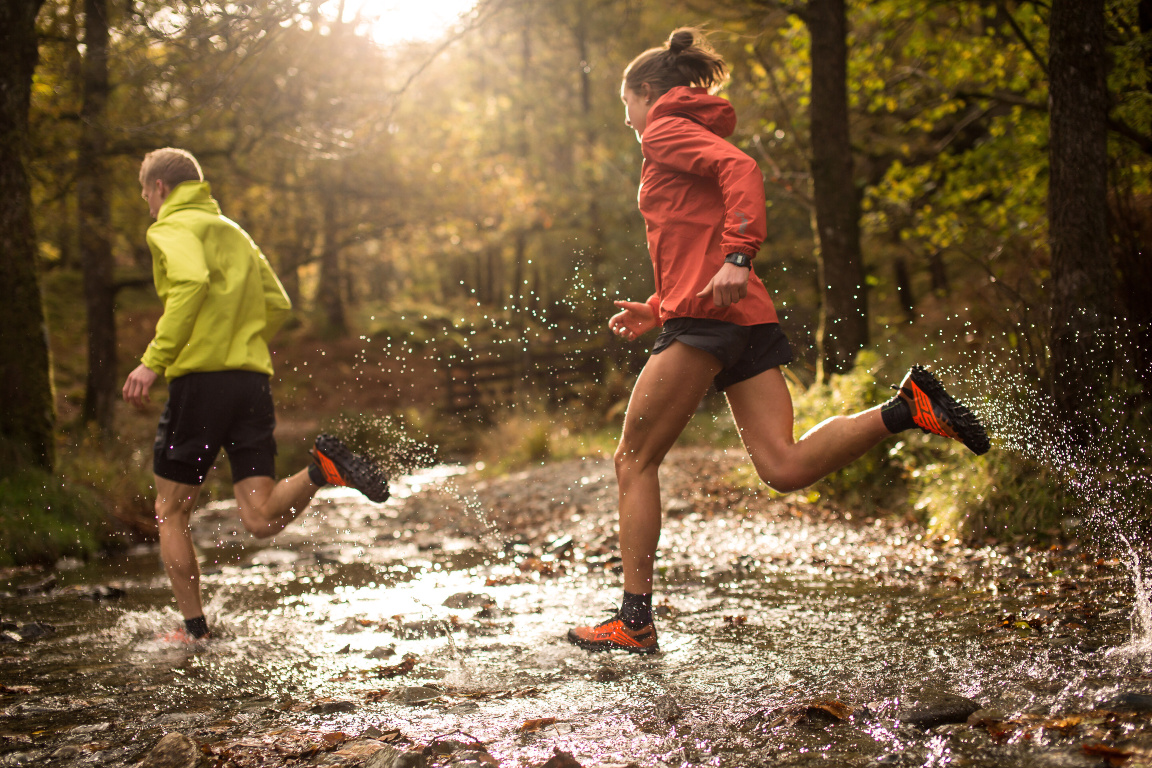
43,518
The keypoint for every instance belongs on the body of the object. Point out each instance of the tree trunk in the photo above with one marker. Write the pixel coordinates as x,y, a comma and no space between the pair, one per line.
1082,294
95,221
27,415
330,280
843,327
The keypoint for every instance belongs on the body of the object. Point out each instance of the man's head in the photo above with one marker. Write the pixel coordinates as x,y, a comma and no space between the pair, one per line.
162,170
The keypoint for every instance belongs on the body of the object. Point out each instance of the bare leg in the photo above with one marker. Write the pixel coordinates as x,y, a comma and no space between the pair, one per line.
762,408
666,395
267,506
174,505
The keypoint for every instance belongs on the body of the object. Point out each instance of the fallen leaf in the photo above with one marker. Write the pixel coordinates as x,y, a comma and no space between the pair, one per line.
1113,755
534,725
395,670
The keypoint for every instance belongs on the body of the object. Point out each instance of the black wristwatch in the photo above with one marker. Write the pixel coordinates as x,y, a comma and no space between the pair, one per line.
739,259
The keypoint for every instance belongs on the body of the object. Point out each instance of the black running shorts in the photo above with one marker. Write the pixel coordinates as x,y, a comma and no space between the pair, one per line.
208,411
744,351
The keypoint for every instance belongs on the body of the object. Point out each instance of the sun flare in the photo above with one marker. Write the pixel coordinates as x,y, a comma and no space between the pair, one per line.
389,22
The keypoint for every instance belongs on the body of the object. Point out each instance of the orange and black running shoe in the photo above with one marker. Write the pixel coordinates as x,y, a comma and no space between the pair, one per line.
934,410
342,467
614,635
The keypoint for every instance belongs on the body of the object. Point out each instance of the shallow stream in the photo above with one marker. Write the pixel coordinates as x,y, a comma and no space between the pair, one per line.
785,640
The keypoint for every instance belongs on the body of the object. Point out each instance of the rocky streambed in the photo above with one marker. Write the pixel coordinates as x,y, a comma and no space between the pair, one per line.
429,631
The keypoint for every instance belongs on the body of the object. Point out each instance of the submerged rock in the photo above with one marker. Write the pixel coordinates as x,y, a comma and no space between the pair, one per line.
173,751
925,708
462,600
560,759
36,630
1128,702
415,694
331,707
11,632
391,757
41,587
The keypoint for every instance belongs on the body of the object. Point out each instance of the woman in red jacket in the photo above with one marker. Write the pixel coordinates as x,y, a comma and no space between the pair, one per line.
703,205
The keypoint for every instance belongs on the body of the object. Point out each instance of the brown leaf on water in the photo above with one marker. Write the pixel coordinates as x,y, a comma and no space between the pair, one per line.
1113,755
375,697
735,621
395,670
18,688
837,709
501,581
534,725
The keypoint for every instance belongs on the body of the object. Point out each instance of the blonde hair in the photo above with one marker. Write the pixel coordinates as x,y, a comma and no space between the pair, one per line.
685,59
171,166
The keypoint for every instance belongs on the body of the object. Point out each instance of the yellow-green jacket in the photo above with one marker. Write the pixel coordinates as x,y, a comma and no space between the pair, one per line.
222,301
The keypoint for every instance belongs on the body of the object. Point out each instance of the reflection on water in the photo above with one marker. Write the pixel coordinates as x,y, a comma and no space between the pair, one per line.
365,619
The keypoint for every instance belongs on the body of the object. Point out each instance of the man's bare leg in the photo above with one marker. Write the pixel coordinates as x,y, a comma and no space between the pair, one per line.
174,505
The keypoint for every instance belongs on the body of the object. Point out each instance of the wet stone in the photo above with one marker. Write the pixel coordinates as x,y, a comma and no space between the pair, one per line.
1128,702
333,707
85,730
175,750
668,709
926,708
66,752
96,593
391,757
41,587
22,758
560,759
35,630
415,694
465,708
462,600
382,652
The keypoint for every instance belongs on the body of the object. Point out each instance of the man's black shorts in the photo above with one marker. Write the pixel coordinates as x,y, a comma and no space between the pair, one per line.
744,351
208,411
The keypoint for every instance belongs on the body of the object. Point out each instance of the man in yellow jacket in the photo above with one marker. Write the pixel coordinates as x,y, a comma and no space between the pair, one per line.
222,304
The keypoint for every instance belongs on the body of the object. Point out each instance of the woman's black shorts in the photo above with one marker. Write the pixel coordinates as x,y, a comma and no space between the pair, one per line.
744,351
232,410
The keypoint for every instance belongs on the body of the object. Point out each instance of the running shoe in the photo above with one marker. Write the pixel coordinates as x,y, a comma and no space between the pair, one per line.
342,467
935,411
182,635
614,635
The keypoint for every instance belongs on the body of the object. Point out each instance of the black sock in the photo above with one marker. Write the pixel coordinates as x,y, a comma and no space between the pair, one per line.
897,415
197,627
636,610
316,475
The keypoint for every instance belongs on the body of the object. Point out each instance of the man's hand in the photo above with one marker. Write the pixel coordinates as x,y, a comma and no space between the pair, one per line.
635,320
728,286
137,385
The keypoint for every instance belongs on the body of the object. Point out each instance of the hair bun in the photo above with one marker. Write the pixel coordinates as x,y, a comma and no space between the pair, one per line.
680,40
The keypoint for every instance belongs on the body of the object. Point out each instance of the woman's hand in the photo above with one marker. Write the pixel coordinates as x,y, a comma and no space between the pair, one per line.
728,286
635,320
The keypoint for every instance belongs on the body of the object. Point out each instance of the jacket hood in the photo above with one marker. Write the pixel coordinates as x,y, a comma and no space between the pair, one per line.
196,195
696,104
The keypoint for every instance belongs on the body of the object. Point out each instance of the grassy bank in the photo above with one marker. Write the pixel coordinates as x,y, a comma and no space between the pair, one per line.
44,518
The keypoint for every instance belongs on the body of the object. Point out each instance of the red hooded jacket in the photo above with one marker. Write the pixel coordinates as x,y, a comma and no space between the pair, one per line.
702,199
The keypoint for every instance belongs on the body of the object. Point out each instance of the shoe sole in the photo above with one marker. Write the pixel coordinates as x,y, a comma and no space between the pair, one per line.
968,428
592,645
367,479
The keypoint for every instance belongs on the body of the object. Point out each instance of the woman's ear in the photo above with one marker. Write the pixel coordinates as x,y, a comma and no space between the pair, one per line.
646,92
